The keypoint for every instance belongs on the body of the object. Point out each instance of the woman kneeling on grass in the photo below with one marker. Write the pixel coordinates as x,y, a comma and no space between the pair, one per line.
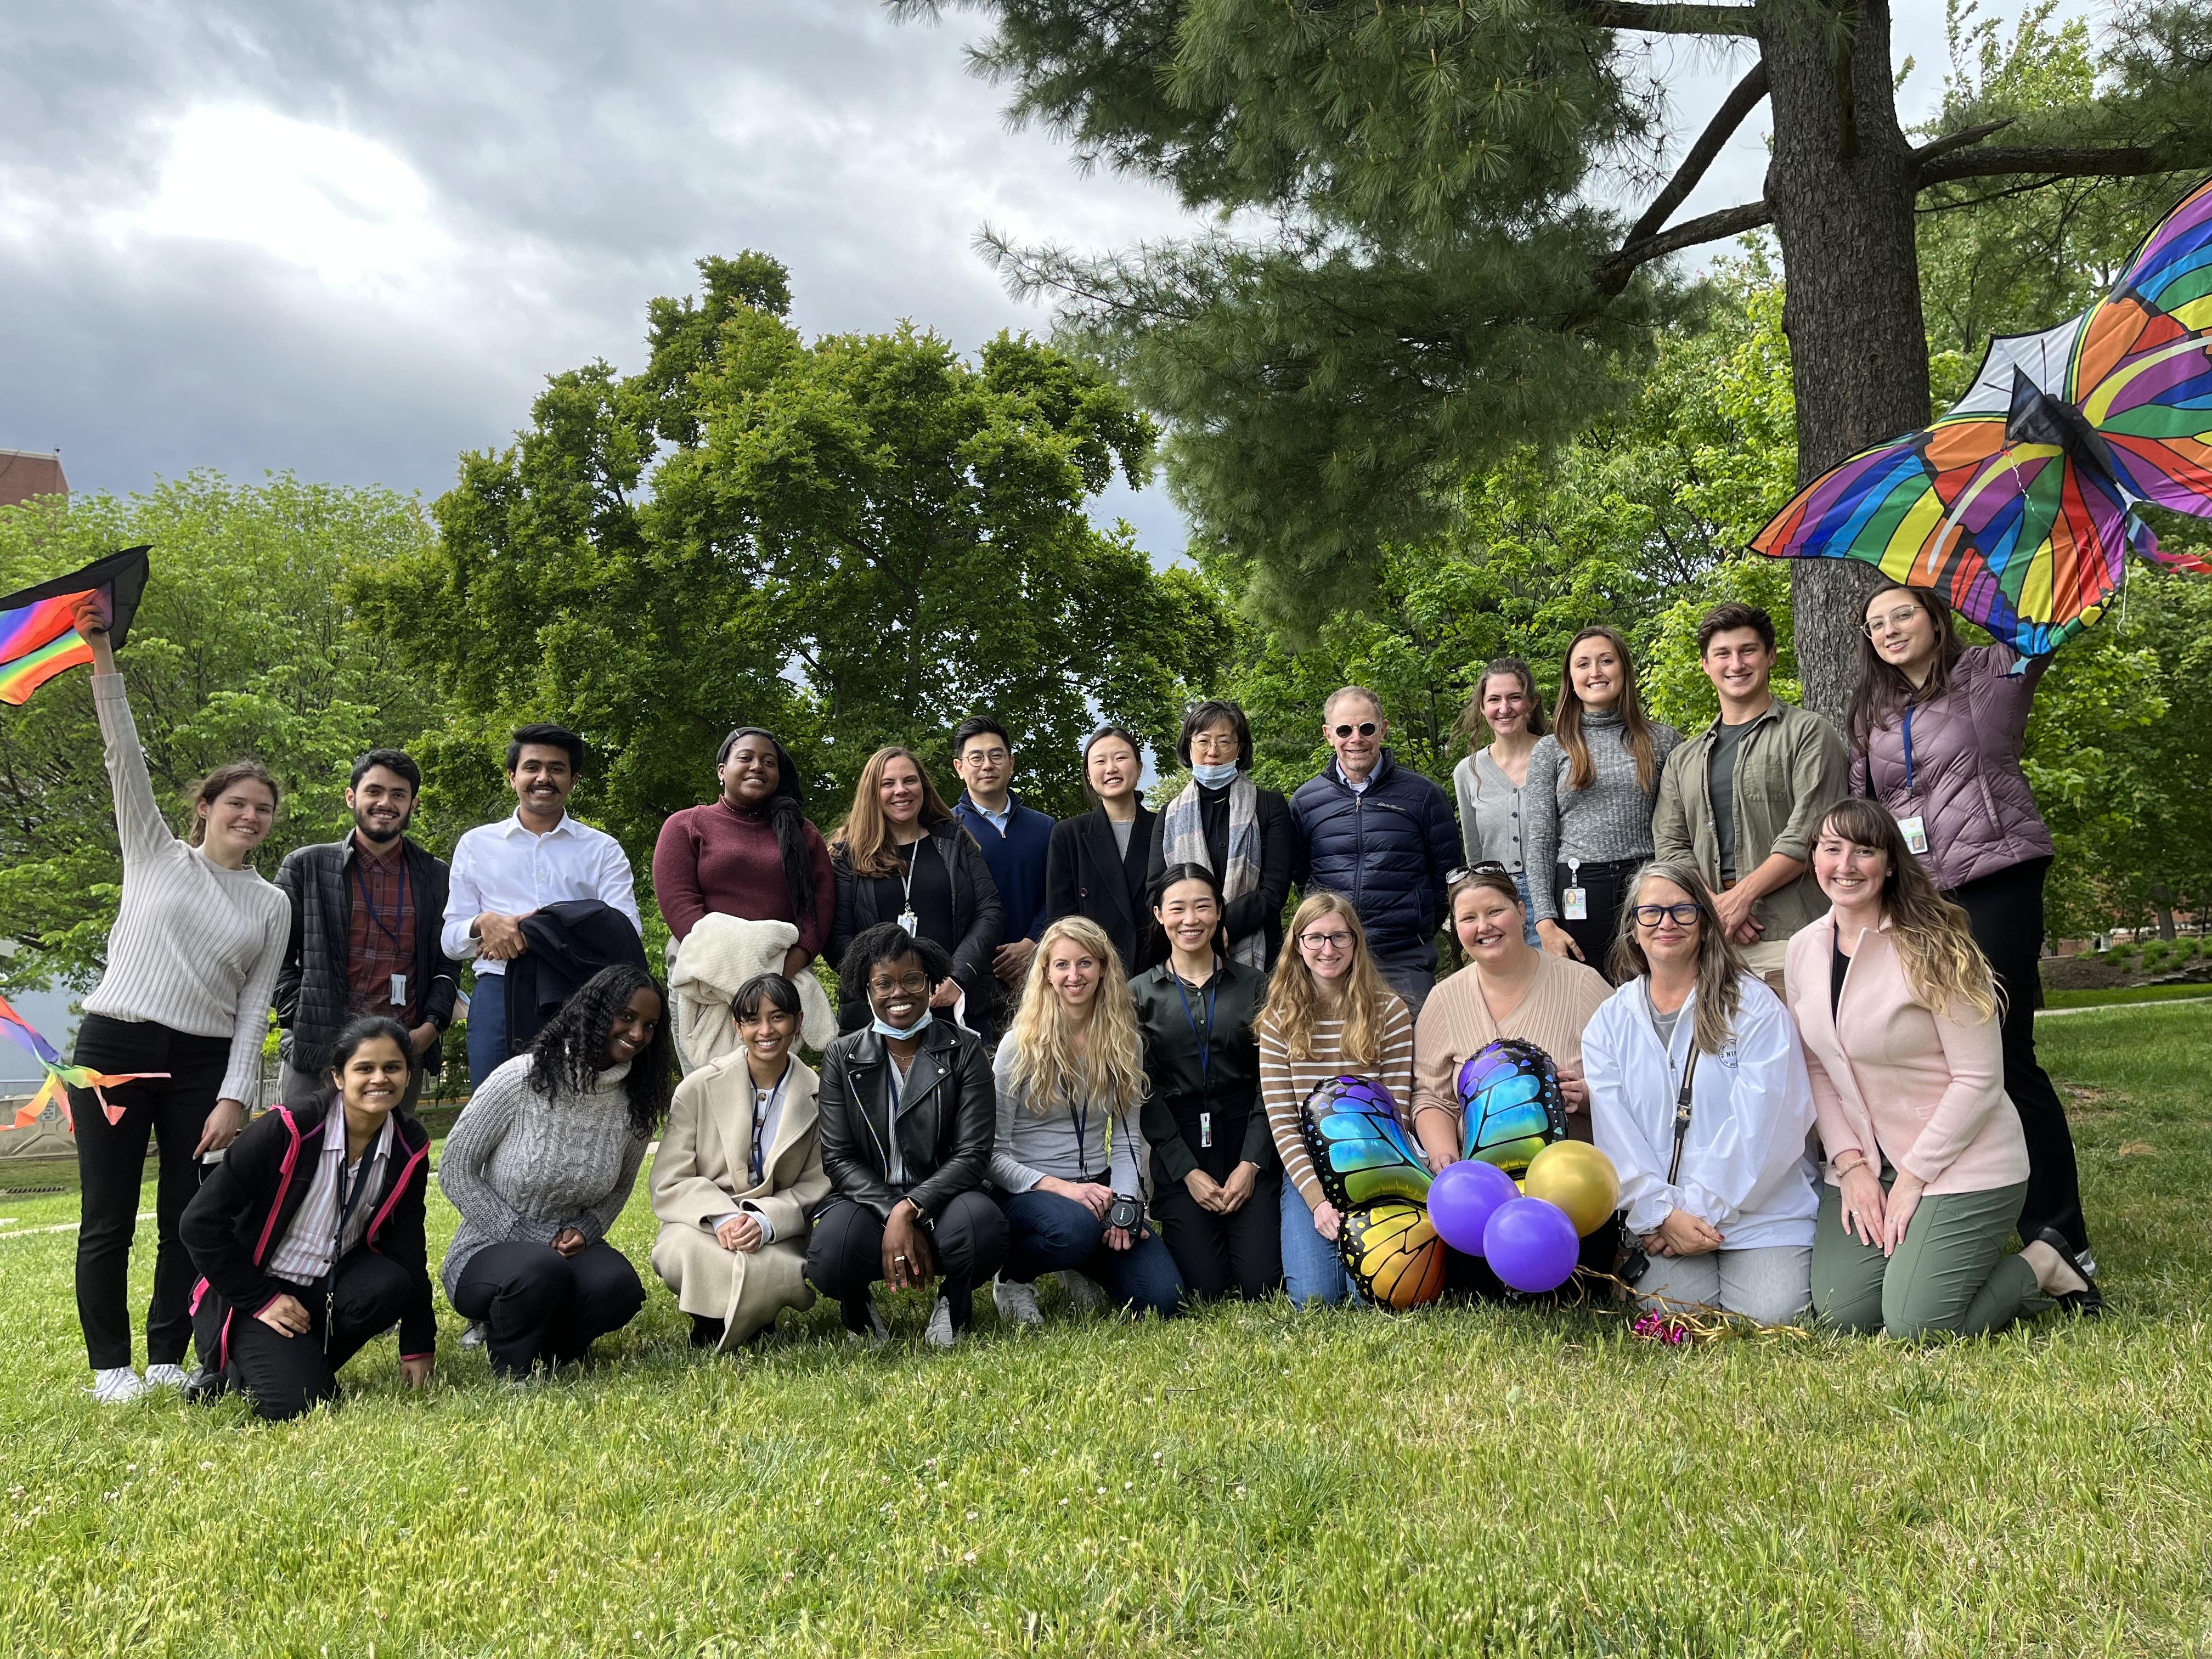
1071,1077
1698,1096
1926,1162
540,1164
309,1235
739,1174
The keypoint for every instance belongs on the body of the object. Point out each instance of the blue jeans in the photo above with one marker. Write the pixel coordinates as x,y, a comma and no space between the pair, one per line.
487,1027
1312,1270
1527,911
1052,1234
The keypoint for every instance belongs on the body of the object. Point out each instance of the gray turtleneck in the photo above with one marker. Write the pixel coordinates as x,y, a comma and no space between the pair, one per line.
1607,822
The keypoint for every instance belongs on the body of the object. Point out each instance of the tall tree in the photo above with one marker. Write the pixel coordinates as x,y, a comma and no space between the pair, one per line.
1437,287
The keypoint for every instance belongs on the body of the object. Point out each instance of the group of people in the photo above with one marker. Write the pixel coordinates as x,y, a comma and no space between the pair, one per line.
1787,975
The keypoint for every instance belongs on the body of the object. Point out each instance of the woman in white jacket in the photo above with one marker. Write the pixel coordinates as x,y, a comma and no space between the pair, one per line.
1721,1198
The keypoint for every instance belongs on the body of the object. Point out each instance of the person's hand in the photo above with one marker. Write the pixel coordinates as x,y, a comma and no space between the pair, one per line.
1206,1190
1119,1238
417,1370
90,617
424,1038
906,1260
1734,907
224,1120
794,963
1089,1193
500,937
1437,1132
1862,1205
1558,940
1574,1092
1684,1234
1327,1222
1012,960
1897,1212
739,1232
285,1316
569,1241
1238,1188
945,994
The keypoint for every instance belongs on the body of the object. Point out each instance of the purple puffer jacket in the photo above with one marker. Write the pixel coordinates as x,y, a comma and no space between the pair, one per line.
1966,782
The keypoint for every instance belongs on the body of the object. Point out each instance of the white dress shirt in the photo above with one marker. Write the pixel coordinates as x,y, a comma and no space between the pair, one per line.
503,869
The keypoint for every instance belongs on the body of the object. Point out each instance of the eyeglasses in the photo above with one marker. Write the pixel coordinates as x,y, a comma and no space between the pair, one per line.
1486,867
1650,916
1325,941
1366,728
914,984
1895,623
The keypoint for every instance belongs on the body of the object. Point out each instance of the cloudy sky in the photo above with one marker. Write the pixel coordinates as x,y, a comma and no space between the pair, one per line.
350,241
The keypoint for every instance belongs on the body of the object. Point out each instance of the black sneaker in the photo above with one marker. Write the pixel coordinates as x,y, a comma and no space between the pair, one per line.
707,1332
2089,1303
204,1387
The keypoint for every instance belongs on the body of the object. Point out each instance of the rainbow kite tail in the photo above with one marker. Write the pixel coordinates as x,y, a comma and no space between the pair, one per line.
61,1079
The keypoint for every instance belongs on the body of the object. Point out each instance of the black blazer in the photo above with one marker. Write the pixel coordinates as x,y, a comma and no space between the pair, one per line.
1281,862
313,1003
569,942
1086,875
976,910
948,1117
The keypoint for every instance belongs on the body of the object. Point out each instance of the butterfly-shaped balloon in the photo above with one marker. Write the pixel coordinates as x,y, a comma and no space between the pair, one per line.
1380,1183
2019,504
1510,1107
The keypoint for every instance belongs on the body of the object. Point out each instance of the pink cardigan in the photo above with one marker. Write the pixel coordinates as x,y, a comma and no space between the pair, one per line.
1891,1077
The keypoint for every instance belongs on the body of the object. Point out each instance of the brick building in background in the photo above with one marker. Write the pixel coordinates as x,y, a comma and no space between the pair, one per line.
27,472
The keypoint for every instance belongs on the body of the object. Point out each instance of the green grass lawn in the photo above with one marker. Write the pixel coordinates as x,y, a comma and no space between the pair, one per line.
2124,994
1248,1482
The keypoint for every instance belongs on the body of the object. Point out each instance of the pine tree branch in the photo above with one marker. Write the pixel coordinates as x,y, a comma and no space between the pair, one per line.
1928,152
1743,98
1613,272
2054,161
1647,18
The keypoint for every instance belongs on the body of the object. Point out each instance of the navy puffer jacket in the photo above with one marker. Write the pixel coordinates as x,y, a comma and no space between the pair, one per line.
1387,848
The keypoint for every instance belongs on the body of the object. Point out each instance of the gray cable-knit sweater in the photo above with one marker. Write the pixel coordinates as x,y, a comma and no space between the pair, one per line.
1607,822
520,1167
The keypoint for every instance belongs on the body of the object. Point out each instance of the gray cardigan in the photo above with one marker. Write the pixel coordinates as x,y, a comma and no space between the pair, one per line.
1492,822
1608,823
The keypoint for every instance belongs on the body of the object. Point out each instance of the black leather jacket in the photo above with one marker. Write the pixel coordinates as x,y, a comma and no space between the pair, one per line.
948,1116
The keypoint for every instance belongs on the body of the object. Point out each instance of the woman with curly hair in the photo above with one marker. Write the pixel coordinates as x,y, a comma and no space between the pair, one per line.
540,1164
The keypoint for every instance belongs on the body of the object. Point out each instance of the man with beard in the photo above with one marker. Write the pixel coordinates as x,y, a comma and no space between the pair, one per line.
366,911
503,873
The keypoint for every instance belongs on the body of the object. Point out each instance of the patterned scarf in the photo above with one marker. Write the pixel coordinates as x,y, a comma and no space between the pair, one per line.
1182,830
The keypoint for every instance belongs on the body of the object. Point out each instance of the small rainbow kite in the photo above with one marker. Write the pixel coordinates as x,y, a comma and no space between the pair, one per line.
38,626
60,1077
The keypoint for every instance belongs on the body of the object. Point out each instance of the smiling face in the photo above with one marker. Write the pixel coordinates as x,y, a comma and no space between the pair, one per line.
381,804
1328,947
1738,663
1667,939
1505,705
1112,768
1355,728
1215,745
631,1031
1190,915
749,772
1489,927
899,791
1849,872
899,991
1072,972
542,779
767,1032
1597,673
1903,633
985,765
373,1080
238,820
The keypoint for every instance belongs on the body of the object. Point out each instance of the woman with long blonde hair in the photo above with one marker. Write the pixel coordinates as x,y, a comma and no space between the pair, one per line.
1071,1077
901,856
1590,789
1329,1013
1927,1164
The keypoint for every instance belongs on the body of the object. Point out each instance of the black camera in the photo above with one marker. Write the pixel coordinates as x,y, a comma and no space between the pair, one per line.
1126,1213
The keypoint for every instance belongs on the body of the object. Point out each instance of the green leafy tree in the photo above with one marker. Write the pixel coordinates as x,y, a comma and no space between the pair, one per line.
243,645
852,540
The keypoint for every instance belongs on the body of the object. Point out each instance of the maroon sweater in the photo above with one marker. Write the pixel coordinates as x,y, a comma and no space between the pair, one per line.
715,857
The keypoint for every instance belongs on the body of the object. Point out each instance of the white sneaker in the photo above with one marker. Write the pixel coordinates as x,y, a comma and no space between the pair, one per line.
940,1333
1016,1302
118,1385
165,1376
474,1336
1082,1291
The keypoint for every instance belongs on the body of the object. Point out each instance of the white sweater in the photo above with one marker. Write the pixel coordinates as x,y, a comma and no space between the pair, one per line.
195,947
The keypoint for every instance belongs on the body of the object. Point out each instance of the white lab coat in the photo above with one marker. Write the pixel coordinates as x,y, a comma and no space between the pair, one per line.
1745,1167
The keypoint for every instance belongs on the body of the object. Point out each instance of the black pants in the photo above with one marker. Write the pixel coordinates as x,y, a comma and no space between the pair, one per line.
541,1307
2006,912
111,1160
1240,1253
845,1254
1605,889
285,1375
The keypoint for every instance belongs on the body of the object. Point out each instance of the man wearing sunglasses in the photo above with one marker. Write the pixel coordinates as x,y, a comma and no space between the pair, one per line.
1382,834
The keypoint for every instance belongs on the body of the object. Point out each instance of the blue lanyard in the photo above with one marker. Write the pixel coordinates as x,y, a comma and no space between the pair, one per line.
1206,1040
1908,749
399,905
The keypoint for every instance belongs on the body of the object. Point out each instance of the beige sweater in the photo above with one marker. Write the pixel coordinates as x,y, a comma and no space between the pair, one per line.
1285,1083
1455,1023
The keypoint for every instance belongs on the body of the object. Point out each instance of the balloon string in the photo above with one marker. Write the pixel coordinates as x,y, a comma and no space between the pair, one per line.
1673,1321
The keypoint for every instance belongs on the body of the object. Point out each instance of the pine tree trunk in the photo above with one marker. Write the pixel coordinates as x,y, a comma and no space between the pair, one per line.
1841,183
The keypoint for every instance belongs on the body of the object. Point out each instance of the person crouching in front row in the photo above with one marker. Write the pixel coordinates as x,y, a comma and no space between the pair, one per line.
907,1114
737,1174
309,1235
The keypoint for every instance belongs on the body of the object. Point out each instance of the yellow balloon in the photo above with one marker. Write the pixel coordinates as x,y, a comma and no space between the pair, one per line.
1578,1178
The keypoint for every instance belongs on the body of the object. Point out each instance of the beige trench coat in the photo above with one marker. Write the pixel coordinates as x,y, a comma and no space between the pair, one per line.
701,1171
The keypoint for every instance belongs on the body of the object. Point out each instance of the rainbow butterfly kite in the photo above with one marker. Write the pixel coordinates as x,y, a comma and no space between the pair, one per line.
2019,505
38,626
60,1079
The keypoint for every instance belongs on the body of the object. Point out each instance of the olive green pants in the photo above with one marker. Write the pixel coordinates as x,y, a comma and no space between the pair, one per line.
1952,1272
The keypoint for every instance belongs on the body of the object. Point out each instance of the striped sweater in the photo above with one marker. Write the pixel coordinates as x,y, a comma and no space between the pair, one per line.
195,947
1285,1083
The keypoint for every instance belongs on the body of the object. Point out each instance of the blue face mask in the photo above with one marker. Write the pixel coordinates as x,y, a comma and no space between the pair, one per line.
881,1028
1214,776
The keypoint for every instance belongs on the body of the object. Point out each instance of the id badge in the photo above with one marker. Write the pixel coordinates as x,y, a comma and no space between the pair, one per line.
1573,904
1915,832
911,922
1204,1129
399,990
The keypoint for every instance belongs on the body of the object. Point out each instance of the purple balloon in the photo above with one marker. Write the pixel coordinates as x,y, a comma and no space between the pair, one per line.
1462,1199
1531,1245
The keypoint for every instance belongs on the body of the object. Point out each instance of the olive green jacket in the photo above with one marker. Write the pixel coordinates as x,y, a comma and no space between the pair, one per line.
1789,768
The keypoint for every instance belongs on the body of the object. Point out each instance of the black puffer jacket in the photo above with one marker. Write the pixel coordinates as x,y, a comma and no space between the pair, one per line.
1387,848
313,1003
